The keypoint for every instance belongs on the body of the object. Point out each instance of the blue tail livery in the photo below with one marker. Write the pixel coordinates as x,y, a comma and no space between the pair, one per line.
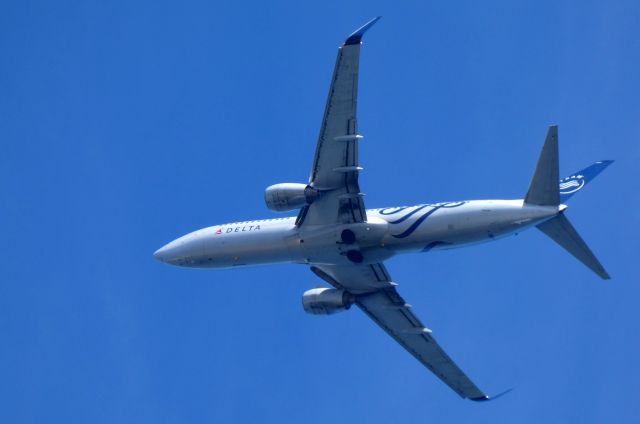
574,183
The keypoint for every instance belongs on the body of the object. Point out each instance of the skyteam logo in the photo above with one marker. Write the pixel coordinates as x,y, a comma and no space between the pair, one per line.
571,184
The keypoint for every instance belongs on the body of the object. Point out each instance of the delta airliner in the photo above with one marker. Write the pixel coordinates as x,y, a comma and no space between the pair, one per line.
345,244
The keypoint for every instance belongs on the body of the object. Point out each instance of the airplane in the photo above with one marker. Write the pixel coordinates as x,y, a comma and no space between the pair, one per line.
345,244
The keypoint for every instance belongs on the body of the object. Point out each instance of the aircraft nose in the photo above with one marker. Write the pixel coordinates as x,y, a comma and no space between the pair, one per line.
184,251
160,254
167,253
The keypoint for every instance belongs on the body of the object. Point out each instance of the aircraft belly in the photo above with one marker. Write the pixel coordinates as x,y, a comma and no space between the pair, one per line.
458,224
325,244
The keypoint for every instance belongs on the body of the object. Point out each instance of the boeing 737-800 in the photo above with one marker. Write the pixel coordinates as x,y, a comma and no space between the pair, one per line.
345,244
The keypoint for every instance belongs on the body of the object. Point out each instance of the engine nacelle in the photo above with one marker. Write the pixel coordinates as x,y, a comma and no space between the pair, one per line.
287,196
324,301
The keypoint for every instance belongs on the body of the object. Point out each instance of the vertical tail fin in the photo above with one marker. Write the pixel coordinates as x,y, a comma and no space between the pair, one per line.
560,230
573,183
543,188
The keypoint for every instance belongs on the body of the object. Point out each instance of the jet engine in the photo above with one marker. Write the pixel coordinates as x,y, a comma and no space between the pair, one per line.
324,301
287,196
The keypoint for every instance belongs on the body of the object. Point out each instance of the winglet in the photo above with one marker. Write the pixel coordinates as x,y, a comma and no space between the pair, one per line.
356,36
486,398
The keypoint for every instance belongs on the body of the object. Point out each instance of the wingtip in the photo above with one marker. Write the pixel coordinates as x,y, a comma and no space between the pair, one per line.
356,36
488,398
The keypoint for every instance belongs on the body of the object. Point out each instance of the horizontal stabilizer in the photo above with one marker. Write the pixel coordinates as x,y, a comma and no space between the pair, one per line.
560,230
543,188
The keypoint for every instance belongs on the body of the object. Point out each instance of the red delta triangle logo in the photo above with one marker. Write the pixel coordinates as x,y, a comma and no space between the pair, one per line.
219,231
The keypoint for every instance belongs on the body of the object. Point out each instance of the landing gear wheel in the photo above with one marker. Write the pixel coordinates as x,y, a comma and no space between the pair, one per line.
355,256
348,237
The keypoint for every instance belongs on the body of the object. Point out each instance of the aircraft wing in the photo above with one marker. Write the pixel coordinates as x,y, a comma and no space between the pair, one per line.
377,296
335,164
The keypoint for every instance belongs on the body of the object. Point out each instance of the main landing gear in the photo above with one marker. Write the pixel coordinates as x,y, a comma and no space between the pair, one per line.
348,237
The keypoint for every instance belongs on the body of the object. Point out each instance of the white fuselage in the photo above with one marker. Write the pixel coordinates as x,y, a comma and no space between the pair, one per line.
386,232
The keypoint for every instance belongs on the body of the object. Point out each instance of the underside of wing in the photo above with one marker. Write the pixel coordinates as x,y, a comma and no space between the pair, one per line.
335,165
377,296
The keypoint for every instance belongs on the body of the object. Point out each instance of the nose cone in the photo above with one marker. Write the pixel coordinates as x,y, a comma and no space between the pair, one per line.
170,252
184,251
161,254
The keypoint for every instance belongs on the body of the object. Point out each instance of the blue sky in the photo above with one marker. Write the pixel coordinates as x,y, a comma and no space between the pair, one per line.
125,124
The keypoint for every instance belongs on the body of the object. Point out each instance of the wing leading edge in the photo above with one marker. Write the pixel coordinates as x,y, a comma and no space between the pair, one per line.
335,165
379,299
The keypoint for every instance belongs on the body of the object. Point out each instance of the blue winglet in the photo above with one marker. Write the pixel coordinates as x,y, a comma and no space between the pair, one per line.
356,37
486,398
